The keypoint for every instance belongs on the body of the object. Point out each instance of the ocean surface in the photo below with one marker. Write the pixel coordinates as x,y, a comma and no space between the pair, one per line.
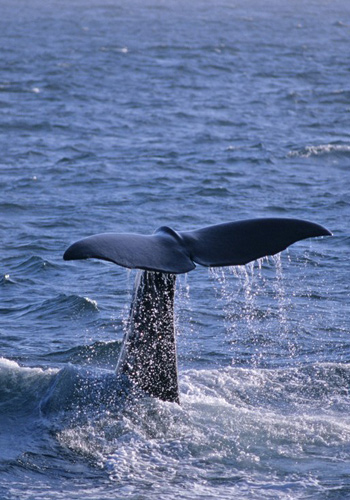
126,115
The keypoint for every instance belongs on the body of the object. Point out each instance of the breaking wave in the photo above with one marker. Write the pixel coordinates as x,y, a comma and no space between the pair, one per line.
322,150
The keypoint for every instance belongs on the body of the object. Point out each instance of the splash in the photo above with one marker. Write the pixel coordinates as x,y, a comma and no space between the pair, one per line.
231,418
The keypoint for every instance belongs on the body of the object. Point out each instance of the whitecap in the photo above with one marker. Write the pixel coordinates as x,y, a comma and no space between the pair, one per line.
320,150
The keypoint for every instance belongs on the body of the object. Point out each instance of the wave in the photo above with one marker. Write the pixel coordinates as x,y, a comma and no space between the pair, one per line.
238,419
21,387
321,387
309,386
6,280
68,306
60,307
32,265
99,354
234,421
304,386
34,393
322,150
74,379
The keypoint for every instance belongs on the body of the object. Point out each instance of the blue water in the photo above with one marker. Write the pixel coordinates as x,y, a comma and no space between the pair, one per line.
124,116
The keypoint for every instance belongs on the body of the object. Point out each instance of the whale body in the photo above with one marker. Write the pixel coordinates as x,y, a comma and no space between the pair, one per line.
148,354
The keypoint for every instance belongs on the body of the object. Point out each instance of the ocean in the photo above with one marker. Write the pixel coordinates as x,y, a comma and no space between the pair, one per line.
126,115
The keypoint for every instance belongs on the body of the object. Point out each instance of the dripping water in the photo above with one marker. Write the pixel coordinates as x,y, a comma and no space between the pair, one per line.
254,302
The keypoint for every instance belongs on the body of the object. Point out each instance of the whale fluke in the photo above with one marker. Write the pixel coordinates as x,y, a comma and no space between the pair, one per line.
162,251
148,355
168,251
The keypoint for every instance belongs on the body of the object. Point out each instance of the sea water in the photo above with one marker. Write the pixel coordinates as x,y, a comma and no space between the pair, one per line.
122,116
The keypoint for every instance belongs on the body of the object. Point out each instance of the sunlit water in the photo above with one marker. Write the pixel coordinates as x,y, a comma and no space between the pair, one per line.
125,116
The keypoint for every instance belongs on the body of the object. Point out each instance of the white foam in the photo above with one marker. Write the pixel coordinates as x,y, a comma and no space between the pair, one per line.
10,366
8,363
92,302
321,149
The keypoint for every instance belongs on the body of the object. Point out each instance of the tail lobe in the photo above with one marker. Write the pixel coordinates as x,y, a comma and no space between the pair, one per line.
167,251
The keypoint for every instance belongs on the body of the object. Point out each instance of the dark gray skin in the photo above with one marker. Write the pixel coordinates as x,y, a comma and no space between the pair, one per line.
148,356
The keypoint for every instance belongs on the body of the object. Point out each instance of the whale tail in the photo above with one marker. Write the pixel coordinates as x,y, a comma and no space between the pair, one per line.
168,251
148,355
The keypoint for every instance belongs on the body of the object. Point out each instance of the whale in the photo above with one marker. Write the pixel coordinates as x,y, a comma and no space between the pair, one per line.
148,358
